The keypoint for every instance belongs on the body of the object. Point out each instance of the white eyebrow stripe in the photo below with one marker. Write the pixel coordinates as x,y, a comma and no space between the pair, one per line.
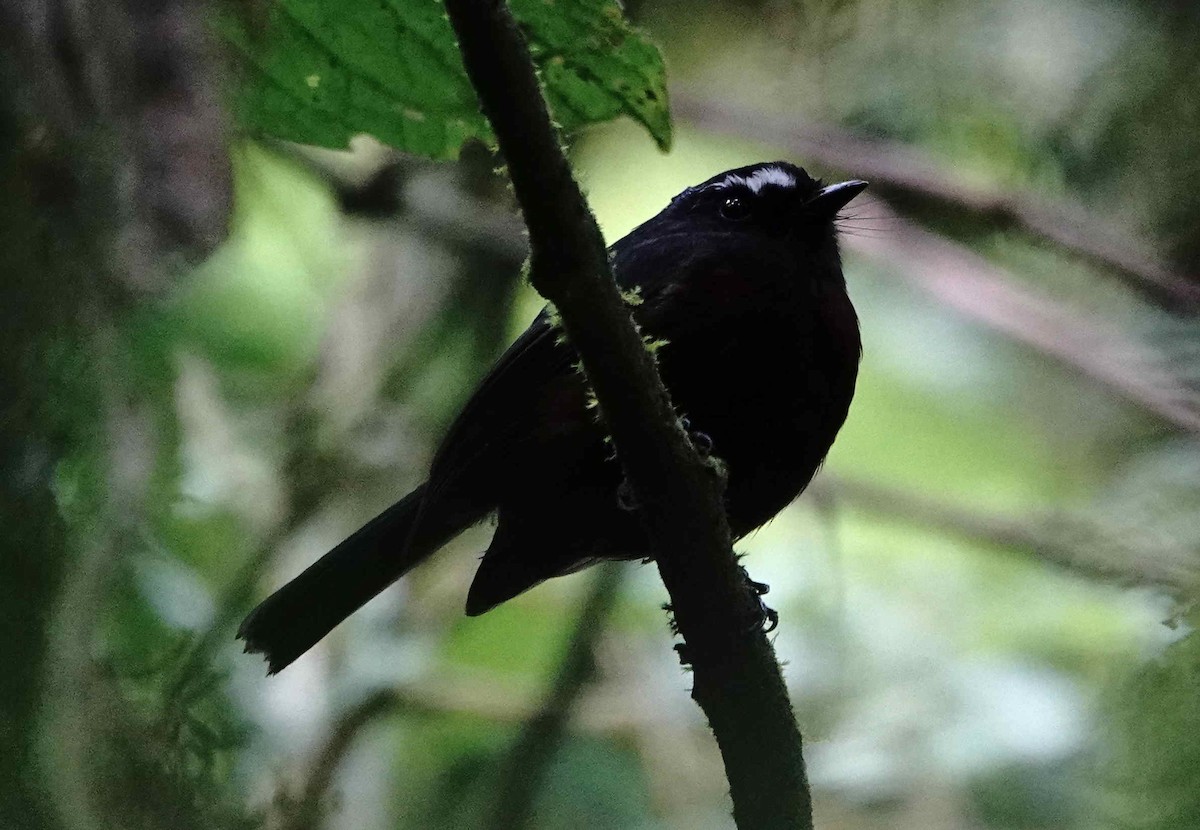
757,180
732,180
771,175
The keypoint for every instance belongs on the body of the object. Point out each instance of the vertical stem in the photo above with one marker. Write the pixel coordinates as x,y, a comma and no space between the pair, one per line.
531,755
738,681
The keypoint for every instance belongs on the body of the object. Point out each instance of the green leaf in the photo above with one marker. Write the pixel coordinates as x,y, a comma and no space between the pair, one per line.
594,65
322,71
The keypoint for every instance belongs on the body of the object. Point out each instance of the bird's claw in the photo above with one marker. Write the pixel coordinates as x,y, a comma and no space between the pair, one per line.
702,441
763,617
759,588
766,618
770,618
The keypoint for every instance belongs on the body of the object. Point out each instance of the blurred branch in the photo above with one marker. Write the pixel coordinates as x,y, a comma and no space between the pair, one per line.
527,762
905,171
464,696
449,206
489,698
465,222
963,280
113,161
33,307
84,710
305,471
307,812
397,186
230,605
738,682
1073,544
955,276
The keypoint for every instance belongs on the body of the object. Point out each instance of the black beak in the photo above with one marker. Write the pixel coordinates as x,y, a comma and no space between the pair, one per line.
830,200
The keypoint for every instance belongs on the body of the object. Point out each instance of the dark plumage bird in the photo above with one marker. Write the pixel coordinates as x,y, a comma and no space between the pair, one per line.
741,277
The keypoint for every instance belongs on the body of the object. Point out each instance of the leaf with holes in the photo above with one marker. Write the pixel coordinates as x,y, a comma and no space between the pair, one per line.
322,71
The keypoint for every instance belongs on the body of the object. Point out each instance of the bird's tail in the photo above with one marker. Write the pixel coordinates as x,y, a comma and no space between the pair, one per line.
293,619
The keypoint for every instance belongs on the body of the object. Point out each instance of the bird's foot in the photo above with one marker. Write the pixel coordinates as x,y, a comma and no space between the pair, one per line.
765,618
626,499
702,441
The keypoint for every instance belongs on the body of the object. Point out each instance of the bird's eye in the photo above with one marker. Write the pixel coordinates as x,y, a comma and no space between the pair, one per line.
735,209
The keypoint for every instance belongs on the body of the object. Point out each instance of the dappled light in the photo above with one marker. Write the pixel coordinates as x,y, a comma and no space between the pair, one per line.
986,597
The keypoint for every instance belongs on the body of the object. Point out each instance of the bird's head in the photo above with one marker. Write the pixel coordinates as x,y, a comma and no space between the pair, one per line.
770,219
770,198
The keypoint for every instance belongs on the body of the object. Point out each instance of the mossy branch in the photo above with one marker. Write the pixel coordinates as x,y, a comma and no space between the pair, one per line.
737,680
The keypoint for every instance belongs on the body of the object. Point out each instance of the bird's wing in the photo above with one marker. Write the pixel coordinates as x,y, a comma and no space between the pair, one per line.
506,406
500,410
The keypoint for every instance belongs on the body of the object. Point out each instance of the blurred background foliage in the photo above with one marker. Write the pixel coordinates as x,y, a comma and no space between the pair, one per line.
987,597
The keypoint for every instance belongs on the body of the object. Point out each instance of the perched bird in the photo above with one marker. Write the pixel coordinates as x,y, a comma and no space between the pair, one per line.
740,281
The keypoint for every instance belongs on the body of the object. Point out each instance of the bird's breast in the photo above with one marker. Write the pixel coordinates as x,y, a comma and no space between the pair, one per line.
772,396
